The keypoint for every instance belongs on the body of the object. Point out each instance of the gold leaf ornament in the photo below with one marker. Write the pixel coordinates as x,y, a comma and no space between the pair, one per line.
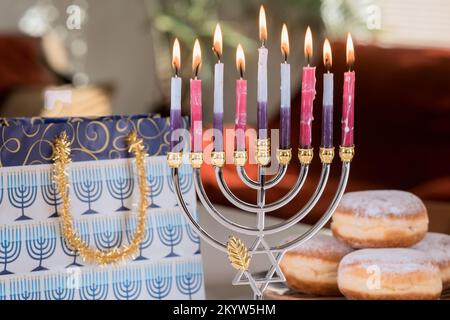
238,254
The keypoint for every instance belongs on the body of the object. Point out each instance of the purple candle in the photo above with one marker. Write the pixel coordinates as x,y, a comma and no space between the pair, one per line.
175,98
327,105
262,77
285,106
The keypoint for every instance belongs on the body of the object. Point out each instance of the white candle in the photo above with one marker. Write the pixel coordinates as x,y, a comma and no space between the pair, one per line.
262,77
262,93
175,97
262,74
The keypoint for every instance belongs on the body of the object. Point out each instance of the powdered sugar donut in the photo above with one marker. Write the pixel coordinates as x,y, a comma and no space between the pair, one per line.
437,245
394,273
380,219
312,267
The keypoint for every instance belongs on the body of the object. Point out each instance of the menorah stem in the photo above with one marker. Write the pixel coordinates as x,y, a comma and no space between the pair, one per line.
261,194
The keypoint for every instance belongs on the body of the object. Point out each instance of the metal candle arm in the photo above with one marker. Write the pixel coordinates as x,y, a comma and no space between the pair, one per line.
282,169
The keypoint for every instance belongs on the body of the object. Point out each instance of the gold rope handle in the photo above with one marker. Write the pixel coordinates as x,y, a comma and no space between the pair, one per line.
61,159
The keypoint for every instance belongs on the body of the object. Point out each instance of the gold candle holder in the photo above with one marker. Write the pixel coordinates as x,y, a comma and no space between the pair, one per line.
305,156
326,155
174,159
240,158
284,156
262,152
196,159
218,158
346,153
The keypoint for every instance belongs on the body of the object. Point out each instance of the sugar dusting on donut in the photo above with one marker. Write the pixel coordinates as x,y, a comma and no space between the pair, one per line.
394,260
378,203
437,245
323,245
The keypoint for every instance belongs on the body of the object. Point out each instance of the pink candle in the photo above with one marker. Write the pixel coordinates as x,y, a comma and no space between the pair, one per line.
308,95
241,101
306,115
241,113
196,103
348,104
196,115
348,101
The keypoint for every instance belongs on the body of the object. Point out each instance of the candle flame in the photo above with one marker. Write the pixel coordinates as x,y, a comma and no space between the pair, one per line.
217,43
240,60
308,44
350,51
262,25
196,57
176,56
327,56
284,42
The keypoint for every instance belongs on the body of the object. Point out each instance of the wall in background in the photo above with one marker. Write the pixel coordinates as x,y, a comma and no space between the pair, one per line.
119,48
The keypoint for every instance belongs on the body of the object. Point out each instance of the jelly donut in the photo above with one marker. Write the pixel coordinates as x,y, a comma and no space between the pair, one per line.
312,266
394,274
380,219
437,245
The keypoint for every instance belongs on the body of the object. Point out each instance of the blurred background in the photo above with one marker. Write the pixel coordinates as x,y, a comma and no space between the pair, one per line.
113,56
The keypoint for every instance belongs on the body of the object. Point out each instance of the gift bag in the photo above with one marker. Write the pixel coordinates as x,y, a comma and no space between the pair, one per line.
37,258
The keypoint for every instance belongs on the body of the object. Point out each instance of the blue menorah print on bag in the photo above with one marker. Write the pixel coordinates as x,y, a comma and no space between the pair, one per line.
170,230
57,287
185,180
155,180
25,289
189,278
22,191
87,186
10,247
108,233
126,283
82,229
3,291
49,192
148,239
94,285
158,280
40,243
120,183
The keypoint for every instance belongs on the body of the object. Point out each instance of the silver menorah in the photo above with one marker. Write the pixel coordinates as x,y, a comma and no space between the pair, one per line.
238,253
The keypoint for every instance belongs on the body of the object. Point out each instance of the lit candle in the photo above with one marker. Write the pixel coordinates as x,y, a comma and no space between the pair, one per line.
327,103
241,101
196,101
262,77
285,106
308,95
175,96
218,92
348,102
